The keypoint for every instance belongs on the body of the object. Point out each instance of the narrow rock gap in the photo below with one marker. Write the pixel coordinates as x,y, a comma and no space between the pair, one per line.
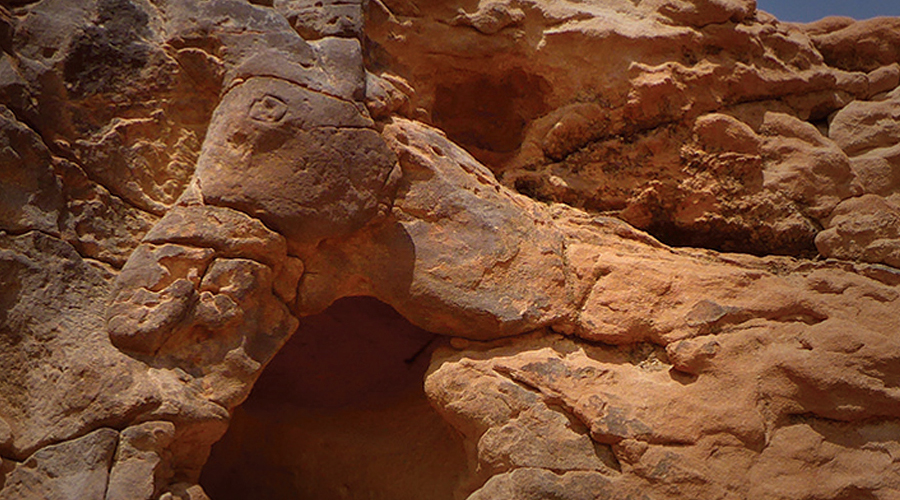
341,413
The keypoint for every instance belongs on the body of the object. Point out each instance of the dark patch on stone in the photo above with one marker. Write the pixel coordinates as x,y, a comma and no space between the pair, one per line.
110,52
490,113
340,413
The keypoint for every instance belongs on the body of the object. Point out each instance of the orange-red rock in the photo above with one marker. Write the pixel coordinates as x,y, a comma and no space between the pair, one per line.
461,250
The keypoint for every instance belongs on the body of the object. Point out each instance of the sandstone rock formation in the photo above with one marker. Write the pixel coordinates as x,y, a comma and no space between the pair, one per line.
407,249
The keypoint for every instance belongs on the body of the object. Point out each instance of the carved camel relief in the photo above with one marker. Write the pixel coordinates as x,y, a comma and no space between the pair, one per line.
298,199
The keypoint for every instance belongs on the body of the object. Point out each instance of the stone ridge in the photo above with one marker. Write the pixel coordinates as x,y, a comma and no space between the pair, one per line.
542,189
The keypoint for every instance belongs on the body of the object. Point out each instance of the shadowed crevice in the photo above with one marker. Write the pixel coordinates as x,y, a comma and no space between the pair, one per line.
340,413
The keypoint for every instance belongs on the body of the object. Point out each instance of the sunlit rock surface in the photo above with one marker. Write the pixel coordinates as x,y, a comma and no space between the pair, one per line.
416,249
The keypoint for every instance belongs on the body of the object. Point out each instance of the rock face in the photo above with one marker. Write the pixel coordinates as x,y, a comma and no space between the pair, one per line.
406,249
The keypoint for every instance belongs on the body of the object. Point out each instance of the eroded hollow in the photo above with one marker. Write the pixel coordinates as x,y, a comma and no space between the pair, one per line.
490,112
340,413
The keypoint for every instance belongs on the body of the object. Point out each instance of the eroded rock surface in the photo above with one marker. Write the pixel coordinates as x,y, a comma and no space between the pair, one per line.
483,236
522,99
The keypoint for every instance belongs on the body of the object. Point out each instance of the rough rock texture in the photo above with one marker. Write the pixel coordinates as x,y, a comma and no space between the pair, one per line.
635,135
406,249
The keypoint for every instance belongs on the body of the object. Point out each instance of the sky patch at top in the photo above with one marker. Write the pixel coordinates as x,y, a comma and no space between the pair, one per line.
805,11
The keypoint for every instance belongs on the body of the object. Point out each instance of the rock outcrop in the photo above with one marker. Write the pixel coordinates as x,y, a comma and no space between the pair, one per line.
406,249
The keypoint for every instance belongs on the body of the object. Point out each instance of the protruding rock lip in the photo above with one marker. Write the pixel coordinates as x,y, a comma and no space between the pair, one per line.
332,66
275,63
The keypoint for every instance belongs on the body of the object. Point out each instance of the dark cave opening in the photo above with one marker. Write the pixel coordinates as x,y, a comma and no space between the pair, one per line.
341,413
489,113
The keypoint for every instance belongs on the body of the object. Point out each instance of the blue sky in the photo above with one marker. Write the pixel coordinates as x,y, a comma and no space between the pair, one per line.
810,10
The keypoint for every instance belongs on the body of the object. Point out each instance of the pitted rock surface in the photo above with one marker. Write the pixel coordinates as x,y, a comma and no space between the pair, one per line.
406,249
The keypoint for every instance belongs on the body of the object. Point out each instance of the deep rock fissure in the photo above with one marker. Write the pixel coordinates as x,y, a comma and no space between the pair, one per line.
341,413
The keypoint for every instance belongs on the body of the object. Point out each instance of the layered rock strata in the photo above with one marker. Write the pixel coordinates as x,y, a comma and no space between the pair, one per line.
461,249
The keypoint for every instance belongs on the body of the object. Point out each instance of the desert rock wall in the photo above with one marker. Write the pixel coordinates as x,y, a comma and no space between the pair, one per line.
498,249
